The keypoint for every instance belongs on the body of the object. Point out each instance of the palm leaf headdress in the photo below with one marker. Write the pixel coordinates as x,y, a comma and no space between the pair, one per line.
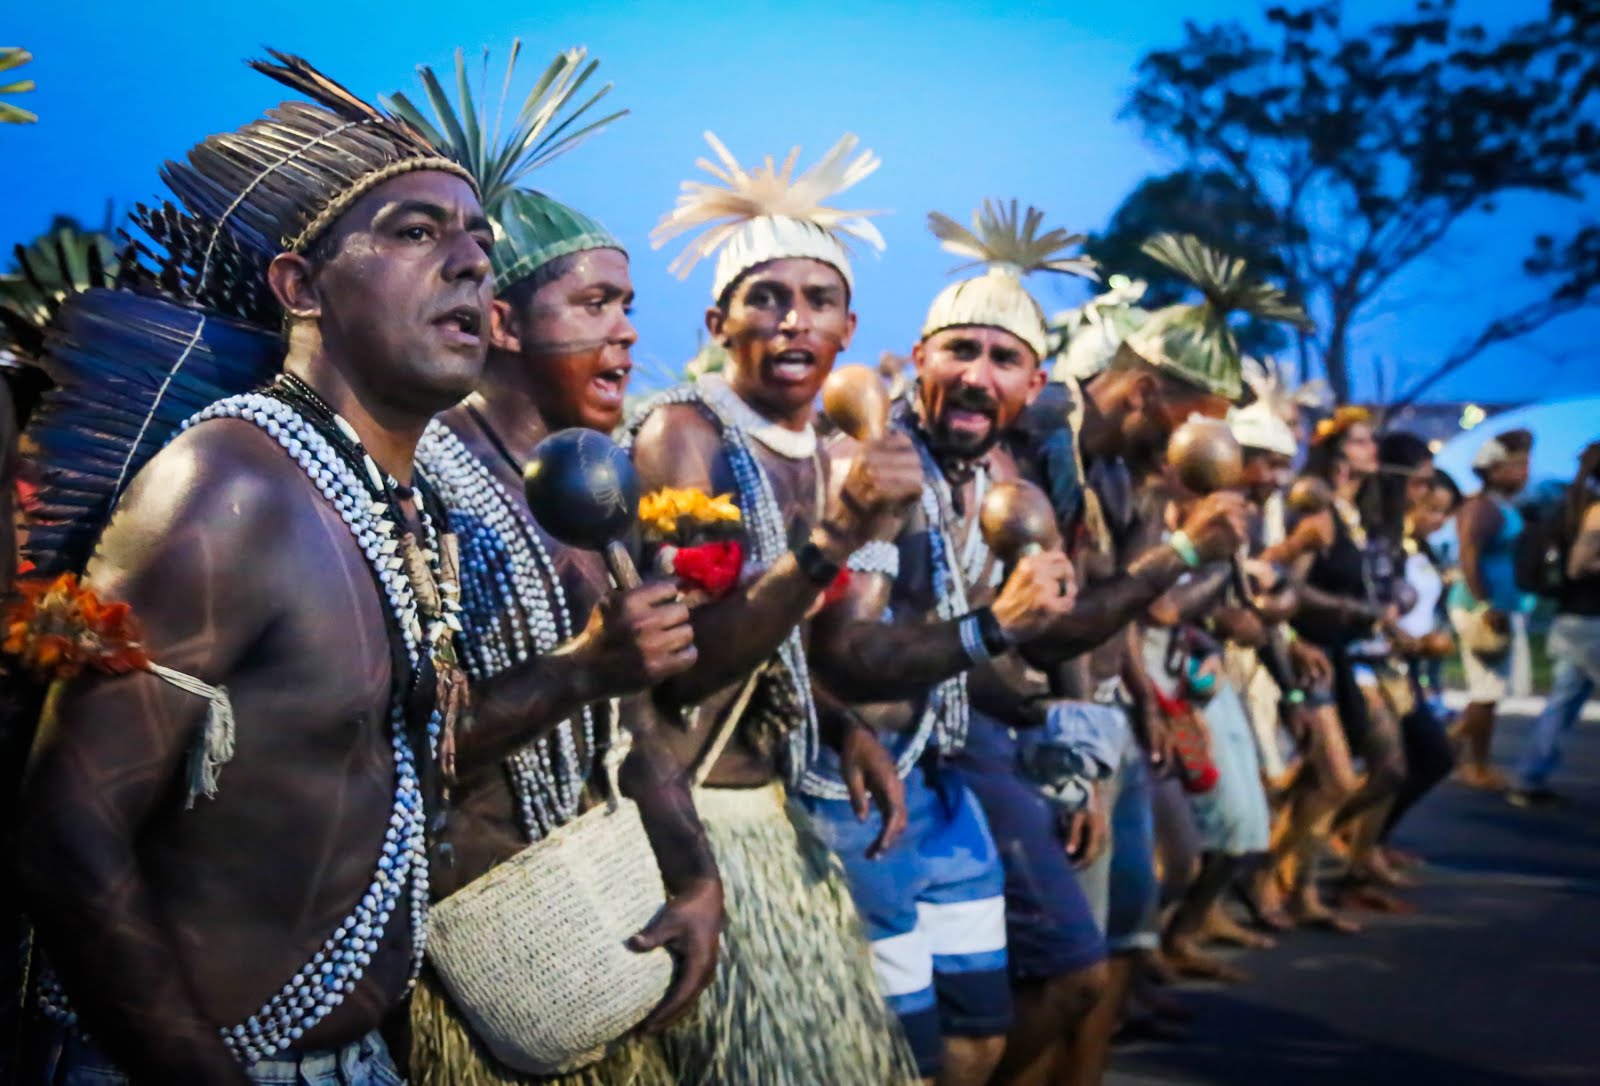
1003,238
552,119
1008,244
1195,341
726,212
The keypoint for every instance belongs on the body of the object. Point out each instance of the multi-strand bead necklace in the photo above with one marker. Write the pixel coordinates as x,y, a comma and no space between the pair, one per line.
515,608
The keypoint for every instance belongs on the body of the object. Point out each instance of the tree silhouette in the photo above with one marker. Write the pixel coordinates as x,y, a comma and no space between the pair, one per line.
1349,153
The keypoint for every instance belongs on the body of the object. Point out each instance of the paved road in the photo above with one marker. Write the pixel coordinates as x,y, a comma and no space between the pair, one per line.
1494,982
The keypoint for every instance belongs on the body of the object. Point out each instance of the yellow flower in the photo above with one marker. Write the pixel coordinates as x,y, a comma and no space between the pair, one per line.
660,512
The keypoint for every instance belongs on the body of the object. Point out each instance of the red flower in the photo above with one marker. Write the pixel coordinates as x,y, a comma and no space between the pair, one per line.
840,585
711,567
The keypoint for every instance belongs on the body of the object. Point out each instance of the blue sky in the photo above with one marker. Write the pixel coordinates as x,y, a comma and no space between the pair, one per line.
962,101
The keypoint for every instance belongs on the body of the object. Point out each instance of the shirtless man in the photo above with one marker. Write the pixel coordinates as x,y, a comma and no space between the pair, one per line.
992,882
305,873
559,357
794,988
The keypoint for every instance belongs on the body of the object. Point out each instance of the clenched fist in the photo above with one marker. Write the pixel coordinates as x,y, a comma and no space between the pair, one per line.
884,479
1217,524
1040,588
636,639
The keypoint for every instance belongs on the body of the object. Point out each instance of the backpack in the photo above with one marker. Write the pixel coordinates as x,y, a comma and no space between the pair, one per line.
1540,562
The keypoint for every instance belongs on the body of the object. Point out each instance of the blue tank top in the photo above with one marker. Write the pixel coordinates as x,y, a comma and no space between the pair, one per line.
1498,562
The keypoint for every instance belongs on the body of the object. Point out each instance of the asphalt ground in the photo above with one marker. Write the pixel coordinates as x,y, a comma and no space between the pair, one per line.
1493,981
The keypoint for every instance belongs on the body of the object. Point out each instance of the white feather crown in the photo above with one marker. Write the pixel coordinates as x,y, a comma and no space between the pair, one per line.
768,213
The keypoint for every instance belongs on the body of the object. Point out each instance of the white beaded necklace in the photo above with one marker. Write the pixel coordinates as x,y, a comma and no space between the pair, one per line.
516,608
322,984
946,718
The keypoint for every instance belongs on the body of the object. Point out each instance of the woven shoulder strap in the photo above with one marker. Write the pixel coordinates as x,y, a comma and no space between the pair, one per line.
709,756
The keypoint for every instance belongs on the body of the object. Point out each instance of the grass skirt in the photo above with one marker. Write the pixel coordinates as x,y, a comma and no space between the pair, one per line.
444,1052
795,1001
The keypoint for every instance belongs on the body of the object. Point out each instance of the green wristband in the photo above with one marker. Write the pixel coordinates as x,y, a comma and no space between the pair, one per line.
1181,543
1295,697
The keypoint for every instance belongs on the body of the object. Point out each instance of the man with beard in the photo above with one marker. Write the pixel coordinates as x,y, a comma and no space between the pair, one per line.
1485,604
286,578
978,365
559,357
794,995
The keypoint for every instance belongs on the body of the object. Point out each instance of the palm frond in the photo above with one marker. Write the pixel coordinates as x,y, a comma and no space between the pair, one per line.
1003,236
1223,279
541,129
768,190
62,262
13,57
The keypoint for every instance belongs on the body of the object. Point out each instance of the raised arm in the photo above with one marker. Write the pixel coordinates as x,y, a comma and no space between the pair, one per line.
111,750
679,447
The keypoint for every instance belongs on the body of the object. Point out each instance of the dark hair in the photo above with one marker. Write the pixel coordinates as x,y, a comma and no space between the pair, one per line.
1513,442
1580,493
1442,480
1382,499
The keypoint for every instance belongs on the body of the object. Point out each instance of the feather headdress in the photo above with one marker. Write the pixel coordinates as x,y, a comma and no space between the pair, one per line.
1270,383
279,182
191,320
768,213
1084,340
1194,341
531,229
1008,245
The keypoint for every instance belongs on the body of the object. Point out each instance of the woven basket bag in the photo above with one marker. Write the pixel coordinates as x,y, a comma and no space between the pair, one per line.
533,952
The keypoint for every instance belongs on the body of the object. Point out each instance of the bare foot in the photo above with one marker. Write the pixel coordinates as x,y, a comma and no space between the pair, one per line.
1309,912
1266,903
1222,928
1374,869
1484,777
1364,895
1191,961
1402,859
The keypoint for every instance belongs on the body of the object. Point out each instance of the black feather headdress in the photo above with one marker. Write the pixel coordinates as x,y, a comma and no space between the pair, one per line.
191,320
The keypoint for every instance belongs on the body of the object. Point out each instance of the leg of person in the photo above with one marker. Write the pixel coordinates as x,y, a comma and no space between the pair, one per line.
1488,682
1331,780
1177,840
961,910
1055,949
795,995
1232,817
1132,908
1429,760
886,891
1575,646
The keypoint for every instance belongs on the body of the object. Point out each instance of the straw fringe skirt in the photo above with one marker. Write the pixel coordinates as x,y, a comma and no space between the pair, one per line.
795,1001
444,1052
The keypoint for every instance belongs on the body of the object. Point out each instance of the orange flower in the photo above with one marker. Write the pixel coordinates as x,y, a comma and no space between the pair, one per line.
1341,420
57,628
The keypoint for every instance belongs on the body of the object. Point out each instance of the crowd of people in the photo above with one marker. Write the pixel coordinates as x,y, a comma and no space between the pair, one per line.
399,706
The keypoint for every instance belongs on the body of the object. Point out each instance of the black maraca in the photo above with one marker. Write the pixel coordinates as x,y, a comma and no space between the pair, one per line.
583,490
